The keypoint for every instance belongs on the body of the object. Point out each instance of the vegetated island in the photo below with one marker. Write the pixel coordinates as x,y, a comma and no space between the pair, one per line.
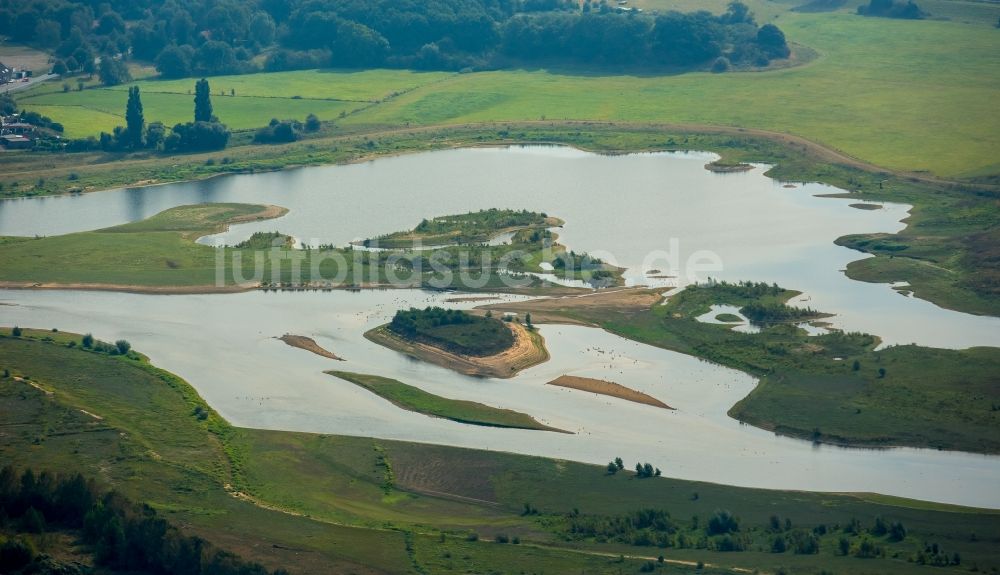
471,228
469,344
723,167
609,388
415,399
503,242
308,344
160,255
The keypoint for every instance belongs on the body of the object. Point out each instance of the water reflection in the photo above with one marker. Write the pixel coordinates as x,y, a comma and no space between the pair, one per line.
629,210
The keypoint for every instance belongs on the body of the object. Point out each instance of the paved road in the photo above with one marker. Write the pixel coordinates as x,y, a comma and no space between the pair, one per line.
17,86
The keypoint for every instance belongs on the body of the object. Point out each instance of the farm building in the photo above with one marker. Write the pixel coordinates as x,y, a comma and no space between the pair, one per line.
16,127
15,141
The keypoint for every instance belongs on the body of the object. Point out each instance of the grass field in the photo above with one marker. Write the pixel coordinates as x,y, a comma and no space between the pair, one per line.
368,86
241,102
415,399
317,503
91,111
878,88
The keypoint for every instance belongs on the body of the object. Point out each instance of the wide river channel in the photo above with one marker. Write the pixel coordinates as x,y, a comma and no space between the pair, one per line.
643,211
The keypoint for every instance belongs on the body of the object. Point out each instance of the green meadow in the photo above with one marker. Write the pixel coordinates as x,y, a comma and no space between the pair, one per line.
346,85
91,111
906,95
320,503
903,95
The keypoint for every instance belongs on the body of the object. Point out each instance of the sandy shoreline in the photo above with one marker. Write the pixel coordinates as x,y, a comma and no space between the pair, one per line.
608,388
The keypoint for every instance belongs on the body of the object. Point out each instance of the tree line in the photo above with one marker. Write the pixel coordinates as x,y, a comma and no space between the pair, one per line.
203,38
907,10
204,133
123,535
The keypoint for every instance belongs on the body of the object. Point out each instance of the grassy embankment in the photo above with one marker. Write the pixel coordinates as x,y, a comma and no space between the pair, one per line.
828,388
319,503
415,399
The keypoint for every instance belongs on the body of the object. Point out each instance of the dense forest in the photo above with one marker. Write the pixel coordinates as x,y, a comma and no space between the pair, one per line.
209,37
453,330
122,535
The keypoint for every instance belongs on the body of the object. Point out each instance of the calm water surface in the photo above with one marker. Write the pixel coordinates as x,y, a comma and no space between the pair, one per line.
628,209
644,212
224,345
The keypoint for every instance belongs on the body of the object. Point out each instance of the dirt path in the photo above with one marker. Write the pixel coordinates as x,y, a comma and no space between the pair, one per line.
560,309
308,344
609,388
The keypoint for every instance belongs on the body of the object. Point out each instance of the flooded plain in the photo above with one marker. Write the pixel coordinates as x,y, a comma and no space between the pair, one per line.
657,215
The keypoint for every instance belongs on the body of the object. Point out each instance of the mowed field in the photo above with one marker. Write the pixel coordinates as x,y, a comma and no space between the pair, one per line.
906,95
241,102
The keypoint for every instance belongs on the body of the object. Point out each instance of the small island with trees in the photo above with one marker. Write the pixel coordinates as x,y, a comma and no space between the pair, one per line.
498,241
470,344
471,228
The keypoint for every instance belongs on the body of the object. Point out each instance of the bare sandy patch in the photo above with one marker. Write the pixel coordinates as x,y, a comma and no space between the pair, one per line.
308,344
625,301
609,388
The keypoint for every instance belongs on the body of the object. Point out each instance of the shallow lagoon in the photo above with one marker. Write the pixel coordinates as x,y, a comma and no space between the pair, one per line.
625,209
224,345
618,207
